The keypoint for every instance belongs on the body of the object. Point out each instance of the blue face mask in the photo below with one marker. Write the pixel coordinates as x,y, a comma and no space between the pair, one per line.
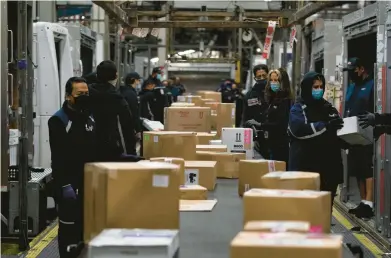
159,76
317,94
275,86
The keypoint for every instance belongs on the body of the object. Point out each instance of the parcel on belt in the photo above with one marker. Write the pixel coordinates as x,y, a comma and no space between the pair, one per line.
177,161
130,195
227,162
277,226
170,144
225,116
291,180
204,138
190,119
205,94
182,104
301,205
193,192
283,245
251,172
191,99
201,173
214,148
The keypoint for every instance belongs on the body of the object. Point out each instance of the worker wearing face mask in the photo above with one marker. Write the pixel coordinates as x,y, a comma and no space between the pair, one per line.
156,77
313,125
72,144
359,100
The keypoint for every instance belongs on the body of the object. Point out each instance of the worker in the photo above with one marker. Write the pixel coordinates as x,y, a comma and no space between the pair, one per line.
147,99
128,91
115,129
313,125
178,85
156,77
275,120
254,104
72,145
359,100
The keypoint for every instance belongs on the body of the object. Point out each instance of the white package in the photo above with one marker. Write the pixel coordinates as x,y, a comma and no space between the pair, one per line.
354,134
239,140
153,125
141,243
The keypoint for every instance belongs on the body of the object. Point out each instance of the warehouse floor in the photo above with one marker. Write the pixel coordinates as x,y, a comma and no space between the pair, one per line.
208,234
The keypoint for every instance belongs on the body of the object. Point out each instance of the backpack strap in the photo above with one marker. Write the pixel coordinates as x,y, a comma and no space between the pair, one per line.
64,118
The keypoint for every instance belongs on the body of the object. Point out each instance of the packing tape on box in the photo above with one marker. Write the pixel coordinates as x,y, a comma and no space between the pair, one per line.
271,165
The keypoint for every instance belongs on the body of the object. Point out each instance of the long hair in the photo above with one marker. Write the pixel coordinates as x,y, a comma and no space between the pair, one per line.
286,83
269,94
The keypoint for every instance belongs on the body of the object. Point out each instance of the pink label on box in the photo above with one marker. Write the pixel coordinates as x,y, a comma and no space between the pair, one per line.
247,136
316,229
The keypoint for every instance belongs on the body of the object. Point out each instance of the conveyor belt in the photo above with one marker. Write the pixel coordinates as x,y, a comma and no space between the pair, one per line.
209,233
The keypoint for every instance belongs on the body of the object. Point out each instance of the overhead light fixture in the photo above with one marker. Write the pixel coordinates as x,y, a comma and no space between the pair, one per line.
258,50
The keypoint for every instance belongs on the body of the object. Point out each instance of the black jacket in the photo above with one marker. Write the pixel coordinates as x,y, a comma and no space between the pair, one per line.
115,128
313,146
130,95
254,102
156,81
72,144
147,100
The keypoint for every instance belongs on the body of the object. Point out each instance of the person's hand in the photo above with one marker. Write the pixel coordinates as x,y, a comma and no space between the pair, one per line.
138,136
368,119
252,123
68,192
335,124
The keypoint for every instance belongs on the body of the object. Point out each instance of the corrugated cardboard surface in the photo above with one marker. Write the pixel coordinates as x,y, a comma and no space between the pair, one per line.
207,172
214,148
190,119
205,101
291,180
130,195
196,99
251,172
193,192
227,163
177,161
170,144
277,226
216,96
225,116
204,138
283,245
311,206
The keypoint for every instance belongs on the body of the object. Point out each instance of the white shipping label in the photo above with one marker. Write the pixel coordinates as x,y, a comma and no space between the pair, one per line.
160,181
192,177
156,139
272,165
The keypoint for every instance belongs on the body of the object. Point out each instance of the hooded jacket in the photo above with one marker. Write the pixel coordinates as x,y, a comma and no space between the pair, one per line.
313,146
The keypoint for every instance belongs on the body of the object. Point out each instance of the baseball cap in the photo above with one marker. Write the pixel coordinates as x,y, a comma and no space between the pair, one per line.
352,64
156,70
133,75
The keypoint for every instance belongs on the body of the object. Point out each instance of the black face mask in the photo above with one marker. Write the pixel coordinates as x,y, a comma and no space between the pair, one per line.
82,103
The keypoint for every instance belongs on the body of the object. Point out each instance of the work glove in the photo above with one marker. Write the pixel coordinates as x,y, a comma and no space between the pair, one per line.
368,119
68,192
252,123
335,124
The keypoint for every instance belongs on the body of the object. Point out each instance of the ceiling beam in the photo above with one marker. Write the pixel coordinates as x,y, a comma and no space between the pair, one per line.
201,24
116,13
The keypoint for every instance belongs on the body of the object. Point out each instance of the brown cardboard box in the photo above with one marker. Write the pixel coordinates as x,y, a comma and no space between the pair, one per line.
227,162
212,106
170,144
283,245
193,192
206,101
204,138
225,116
182,104
277,226
205,173
177,161
130,195
190,119
214,148
216,96
192,99
291,180
311,206
251,171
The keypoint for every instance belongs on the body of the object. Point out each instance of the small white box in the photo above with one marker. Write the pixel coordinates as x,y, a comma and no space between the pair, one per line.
354,134
238,140
141,243
153,125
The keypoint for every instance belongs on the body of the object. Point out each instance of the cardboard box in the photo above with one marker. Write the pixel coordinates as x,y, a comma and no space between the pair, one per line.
214,148
170,144
226,114
283,245
190,119
251,171
191,99
239,140
291,180
277,226
204,138
201,173
206,101
177,161
213,123
311,206
144,243
354,134
193,192
227,163
212,106
148,191
216,96
182,104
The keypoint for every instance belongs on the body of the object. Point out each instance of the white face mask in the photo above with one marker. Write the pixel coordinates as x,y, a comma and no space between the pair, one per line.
113,82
